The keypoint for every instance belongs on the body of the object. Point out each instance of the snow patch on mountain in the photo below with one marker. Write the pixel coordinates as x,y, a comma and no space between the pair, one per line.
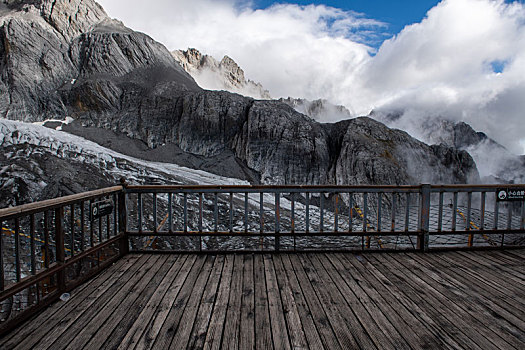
67,146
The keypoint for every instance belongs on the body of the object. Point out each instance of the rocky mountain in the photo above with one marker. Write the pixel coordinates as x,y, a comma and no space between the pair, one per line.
495,163
219,75
228,76
320,110
65,59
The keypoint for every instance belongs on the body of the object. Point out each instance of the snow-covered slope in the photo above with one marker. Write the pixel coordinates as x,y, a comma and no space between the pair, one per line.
32,157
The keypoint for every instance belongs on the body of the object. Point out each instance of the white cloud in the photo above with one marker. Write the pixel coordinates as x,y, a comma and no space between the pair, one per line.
442,66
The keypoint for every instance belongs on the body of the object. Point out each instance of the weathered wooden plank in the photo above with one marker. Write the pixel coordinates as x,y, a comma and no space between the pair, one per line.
141,322
214,335
321,317
497,268
503,257
63,322
397,306
428,296
350,333
187,317
502,305
277,321
381,331
263,335
472,302
33,328
200,327
150,333
516,253
485,274
312,314
230,335
291,305
168,329
84,331
247,328
131,310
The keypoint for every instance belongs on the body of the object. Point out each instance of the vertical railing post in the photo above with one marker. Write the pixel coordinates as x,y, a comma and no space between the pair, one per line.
2,276
59,246
17,250
123,219
277,222
422,238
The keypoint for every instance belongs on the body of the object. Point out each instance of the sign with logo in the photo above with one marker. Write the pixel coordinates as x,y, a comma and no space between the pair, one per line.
510,194
101,208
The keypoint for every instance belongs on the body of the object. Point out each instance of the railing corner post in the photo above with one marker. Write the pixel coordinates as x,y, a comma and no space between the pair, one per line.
123,218
423,237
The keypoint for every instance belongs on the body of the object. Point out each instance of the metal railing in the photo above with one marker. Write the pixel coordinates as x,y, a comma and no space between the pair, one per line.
50,247
297,218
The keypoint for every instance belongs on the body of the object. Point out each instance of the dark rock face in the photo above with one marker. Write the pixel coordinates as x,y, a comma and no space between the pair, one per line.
107,76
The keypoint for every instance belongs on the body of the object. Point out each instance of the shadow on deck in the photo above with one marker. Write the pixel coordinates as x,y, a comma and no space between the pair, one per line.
313,300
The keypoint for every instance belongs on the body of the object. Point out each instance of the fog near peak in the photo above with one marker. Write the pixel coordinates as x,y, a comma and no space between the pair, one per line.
464,61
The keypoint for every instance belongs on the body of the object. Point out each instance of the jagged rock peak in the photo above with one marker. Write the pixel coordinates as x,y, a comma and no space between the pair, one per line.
321,109
214,75
51,48
69,17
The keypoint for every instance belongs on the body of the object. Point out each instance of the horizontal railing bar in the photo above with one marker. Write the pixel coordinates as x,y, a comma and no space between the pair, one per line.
271,234
474,188
258,251
316,188
54,268
268,188
49,204
319,233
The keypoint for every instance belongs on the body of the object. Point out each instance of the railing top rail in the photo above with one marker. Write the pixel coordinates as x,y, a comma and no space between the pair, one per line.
267,188
31,208
476,187
316,188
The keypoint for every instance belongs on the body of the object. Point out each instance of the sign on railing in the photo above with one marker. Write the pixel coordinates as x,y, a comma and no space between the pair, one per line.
509,194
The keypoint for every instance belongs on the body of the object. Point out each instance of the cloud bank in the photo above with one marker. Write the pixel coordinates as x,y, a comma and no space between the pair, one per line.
464,61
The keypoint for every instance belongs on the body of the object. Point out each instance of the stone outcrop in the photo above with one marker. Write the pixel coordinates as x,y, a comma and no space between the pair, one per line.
321,110
107,76
214,75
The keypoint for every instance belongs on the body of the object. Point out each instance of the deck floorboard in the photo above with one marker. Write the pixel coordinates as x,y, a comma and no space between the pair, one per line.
473,299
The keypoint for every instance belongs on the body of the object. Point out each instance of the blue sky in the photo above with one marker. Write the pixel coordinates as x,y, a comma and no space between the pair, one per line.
396,13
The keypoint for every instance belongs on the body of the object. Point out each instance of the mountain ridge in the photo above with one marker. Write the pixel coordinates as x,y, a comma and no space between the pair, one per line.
118,80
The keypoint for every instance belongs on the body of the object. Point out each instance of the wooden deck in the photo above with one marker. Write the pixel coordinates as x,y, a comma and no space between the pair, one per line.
473,300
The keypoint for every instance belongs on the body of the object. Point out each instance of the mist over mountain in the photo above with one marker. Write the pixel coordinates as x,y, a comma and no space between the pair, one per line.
219,75
495,163
66,60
